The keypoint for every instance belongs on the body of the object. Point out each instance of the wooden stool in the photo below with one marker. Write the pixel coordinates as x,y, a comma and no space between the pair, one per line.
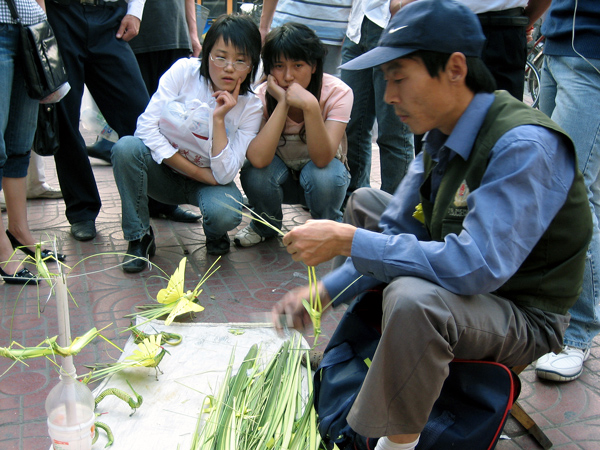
524,419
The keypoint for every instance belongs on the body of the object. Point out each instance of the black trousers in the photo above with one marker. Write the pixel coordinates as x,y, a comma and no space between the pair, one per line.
107,65
505,54
152,66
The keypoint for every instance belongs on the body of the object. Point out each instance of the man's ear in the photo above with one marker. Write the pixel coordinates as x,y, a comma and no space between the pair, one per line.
456,67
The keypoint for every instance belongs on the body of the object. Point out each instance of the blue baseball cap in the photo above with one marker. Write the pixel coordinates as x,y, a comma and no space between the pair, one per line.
444,26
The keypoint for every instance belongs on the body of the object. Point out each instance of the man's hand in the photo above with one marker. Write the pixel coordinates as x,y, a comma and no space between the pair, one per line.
318,241
196,45
130,27
290,312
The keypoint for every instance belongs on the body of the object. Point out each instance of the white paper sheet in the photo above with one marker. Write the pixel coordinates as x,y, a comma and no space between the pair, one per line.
193,369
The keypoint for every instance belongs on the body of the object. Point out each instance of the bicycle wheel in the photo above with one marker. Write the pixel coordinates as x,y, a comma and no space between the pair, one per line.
531,94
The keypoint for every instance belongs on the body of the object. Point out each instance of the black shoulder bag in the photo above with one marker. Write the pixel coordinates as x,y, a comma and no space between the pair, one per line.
43,67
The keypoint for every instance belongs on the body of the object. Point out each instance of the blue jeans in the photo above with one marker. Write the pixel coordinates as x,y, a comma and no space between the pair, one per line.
394,138
570,95
332,60
321,190
138,176
18,112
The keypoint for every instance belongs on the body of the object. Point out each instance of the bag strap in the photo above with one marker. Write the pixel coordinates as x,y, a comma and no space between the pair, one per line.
13,10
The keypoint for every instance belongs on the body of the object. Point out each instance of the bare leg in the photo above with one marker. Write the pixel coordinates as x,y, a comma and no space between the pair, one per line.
8,262
16,206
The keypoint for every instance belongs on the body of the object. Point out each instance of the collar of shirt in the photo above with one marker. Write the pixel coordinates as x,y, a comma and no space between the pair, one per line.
465,132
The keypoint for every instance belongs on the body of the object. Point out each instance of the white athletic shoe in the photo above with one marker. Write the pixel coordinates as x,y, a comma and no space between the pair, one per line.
247,237
564,366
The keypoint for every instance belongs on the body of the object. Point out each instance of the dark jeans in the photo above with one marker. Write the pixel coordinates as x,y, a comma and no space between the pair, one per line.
394,139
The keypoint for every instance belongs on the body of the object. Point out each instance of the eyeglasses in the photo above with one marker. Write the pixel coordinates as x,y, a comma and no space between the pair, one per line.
219,61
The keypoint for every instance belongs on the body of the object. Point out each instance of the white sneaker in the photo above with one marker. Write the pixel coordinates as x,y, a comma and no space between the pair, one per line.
247,237
564,366
49,192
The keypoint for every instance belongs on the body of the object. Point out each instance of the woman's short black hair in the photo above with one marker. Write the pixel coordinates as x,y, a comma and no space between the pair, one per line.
243,34
478,79
296,42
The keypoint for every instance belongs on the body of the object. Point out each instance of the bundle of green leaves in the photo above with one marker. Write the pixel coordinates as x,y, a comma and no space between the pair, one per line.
263,406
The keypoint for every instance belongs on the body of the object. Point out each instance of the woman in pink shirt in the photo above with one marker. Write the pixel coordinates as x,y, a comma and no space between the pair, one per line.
299,154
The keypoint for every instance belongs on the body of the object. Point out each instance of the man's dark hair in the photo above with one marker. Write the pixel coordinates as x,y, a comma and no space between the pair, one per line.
479,78
243,34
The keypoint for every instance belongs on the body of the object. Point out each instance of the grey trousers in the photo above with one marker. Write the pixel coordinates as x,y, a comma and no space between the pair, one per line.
424,327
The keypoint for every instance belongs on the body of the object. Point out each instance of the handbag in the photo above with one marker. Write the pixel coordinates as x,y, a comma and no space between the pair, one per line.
43,67
45,141
470,413
293,151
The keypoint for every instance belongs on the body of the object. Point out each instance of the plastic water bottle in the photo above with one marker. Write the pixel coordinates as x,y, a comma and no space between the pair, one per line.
70,409
109,134
70,404
92,120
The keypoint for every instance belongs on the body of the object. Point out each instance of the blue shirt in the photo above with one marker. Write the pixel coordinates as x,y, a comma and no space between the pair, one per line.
527,180
562,39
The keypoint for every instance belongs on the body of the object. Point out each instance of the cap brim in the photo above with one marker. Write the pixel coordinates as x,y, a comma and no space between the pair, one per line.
377,56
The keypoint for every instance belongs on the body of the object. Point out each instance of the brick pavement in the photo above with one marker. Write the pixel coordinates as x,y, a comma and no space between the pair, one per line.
248,281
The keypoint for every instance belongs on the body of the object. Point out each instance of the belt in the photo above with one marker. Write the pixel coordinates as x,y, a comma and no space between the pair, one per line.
109,4
507,18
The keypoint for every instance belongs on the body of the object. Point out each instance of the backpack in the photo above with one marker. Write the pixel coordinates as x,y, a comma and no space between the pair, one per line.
470,413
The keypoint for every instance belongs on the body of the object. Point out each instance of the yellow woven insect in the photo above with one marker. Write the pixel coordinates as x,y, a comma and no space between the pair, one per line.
173,295
148,354
173,300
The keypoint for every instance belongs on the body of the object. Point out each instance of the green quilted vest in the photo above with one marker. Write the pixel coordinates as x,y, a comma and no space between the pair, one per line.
551,276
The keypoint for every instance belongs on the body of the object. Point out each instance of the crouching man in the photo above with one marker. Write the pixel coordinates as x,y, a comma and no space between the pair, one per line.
482,247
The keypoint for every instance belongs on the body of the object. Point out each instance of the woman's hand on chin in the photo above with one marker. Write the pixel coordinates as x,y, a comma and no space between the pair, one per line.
273,88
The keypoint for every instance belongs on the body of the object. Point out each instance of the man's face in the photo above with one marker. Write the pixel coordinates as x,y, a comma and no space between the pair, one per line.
420,101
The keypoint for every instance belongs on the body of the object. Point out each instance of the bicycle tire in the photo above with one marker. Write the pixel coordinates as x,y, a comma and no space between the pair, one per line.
532,85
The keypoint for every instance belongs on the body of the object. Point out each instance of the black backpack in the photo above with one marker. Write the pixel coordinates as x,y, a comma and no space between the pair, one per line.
470,413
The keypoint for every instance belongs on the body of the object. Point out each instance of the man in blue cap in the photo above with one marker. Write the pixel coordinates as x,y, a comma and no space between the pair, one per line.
482,248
